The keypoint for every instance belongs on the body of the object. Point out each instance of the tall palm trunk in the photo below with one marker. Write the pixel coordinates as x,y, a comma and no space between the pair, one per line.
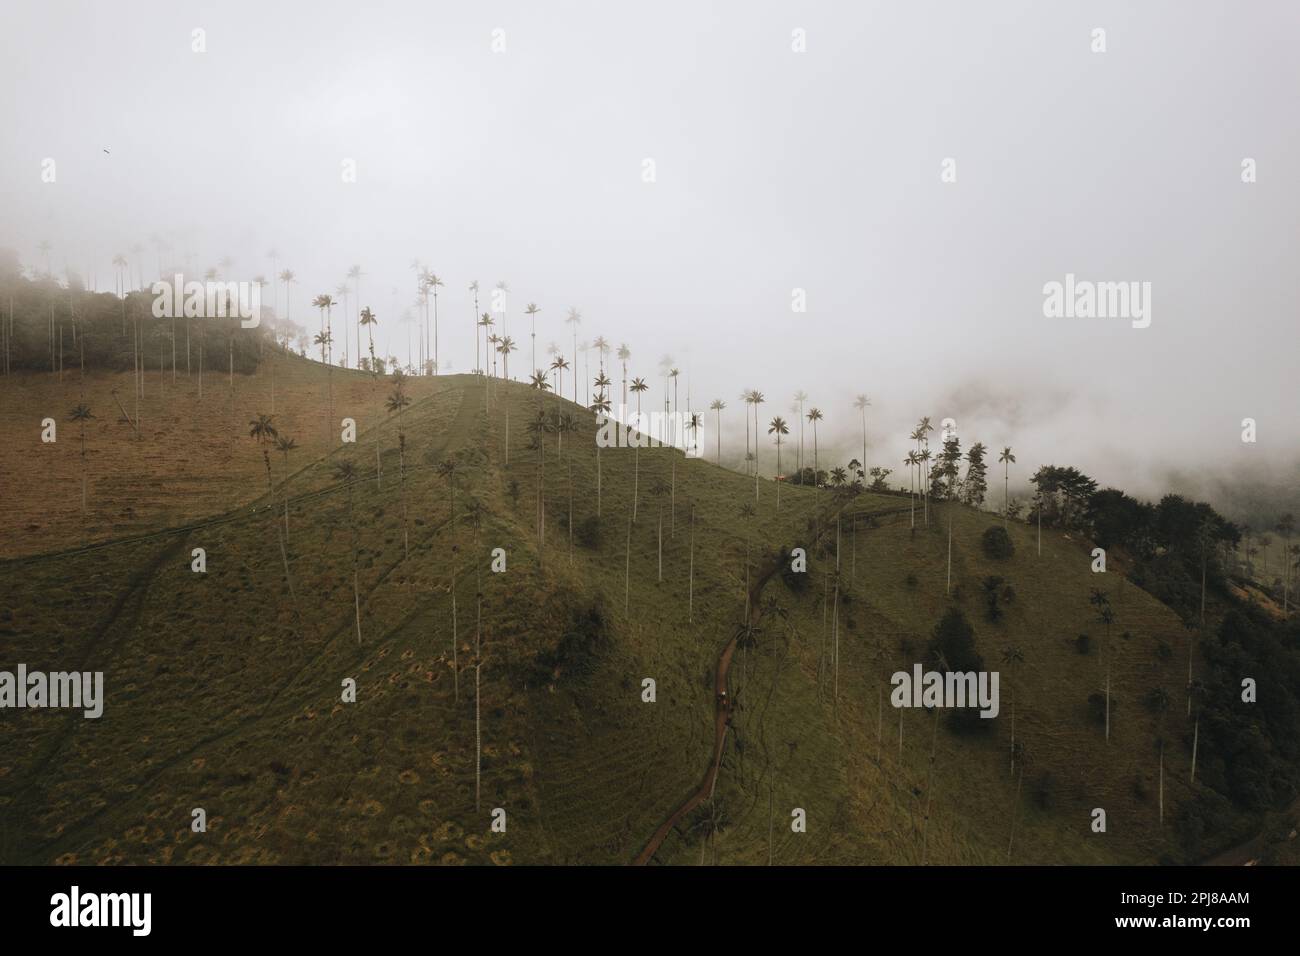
356,589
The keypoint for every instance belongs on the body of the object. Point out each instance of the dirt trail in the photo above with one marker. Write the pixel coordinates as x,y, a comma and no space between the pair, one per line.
722,707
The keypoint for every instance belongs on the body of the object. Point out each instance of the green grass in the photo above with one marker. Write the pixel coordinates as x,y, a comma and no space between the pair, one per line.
223,693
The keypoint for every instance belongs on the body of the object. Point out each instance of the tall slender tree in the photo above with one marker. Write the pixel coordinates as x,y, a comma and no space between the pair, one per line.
862,403
346,472
814,416
574,319
1006,459
778,427
397,401
82,414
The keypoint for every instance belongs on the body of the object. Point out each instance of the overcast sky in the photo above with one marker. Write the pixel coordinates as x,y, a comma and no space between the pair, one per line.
774,170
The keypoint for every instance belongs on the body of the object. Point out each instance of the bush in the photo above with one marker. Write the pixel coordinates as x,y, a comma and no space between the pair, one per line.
1097,708
1045,790
954,639
587,531
1083,644
584,639
993,611
997,543
796,581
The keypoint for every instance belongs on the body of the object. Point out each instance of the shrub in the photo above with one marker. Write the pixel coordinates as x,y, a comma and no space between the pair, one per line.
955,640
1044,790
1097,708
997,543
993,610
587,532
796,581
1083,643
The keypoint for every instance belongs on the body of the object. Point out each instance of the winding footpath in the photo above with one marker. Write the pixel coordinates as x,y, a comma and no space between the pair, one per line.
722,705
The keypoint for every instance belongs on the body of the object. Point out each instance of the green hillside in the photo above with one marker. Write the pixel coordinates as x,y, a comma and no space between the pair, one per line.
224,688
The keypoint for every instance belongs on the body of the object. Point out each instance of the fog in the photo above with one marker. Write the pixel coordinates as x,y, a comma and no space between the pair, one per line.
774,171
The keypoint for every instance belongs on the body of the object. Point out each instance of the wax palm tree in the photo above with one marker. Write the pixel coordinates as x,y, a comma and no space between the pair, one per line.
346,472
574,319
747,396
503,288
344,293
506,346
924,428
717,405
531,311
355,274
814,416
558,366
1011,656
368,320
658,491
325,340
601,406
696,422
584,347
284,445
778,428
800,397
433,283
485,323
624,353
758,399
396,402
540,425
1006,459
639,386
447,469
747,513
478,362
274,256
324,303
82,414
119,263
263,430
838,477
923,469
493,341
288,278
862,403
913,460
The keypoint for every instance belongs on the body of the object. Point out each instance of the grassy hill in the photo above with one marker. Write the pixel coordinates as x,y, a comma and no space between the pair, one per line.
191,458
224,689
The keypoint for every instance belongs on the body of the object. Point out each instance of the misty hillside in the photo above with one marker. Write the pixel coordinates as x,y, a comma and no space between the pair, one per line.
521,688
